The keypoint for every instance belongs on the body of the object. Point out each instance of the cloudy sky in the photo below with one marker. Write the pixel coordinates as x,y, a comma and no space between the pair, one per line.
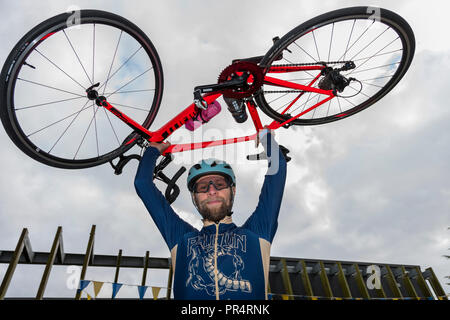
374,187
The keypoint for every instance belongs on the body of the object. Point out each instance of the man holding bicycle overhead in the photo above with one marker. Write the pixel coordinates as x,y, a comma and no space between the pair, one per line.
221,261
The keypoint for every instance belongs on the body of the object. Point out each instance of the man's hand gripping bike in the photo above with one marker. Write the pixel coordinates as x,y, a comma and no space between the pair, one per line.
64,86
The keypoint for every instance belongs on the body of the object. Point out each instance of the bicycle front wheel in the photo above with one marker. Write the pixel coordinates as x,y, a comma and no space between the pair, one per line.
377,41
44,106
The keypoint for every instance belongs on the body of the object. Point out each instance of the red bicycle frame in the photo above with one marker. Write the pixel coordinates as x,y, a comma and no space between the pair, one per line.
188,113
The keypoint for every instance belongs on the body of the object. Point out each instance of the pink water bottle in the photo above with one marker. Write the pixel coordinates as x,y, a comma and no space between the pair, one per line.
204,116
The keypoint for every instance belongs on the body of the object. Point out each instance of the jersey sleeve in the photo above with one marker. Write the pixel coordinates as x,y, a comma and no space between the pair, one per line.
171,226
264,220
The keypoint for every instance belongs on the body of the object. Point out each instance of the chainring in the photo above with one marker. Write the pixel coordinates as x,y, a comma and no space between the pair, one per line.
254,80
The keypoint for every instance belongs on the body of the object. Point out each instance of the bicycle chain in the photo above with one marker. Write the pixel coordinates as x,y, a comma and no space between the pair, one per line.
302,65
307,64
285,91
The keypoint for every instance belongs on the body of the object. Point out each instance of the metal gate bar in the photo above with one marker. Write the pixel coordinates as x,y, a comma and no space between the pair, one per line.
289,278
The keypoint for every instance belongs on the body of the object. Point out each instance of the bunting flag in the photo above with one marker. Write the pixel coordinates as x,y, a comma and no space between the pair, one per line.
155,291
84,284
115,287
97,287
141,290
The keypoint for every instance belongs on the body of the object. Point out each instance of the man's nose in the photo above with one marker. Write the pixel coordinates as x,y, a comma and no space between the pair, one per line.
211,188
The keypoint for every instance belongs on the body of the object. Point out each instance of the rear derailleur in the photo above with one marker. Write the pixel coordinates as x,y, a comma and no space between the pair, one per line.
334,80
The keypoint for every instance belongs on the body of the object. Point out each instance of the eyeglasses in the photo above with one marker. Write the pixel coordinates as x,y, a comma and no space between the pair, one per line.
218,182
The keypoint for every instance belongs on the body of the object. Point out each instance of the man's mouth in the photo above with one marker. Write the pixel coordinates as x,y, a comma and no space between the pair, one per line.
213,201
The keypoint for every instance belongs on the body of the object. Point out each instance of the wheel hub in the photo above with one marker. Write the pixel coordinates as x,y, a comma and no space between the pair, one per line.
92,94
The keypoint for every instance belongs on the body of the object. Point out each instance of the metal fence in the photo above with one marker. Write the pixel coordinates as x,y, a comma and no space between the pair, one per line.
289,278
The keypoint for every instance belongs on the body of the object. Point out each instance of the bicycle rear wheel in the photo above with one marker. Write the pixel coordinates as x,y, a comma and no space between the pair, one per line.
44,105
379,42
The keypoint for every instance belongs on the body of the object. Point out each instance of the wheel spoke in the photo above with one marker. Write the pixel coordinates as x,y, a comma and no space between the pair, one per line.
67,128
55,65
126,106
359,91
85,133
359,66
112,127
95,126
371,84
331,41
305,51
373,68
278,98
346,99
47,103
50,87
93,53
129,91
348,42
377,55
328,109
132,80
306,102
369,43
112,62
360,36
377,78
123,64
339,103
303,79
315,43
314,112
282,107
78,58
58,121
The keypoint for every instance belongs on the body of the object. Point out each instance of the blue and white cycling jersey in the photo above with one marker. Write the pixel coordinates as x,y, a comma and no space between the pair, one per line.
221,261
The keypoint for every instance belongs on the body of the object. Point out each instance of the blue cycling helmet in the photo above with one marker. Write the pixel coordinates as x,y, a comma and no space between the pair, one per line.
209,166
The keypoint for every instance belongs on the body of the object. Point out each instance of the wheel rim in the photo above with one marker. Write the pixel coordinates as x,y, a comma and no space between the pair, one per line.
378,48
49,106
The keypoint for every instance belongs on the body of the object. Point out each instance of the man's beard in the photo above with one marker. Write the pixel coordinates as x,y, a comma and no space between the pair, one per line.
216,213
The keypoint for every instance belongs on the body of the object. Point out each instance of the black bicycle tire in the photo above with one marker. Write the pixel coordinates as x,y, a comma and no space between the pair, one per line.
387,16
15,58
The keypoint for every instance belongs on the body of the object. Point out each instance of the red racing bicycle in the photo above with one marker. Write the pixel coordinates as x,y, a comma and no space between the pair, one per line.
65,85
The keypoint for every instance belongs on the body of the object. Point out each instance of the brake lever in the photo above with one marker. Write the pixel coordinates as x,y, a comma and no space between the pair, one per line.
172,190
123,160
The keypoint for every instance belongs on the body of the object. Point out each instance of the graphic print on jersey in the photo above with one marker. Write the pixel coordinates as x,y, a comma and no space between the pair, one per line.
230,248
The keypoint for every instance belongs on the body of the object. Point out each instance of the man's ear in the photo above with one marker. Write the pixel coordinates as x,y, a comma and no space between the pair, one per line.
234,190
